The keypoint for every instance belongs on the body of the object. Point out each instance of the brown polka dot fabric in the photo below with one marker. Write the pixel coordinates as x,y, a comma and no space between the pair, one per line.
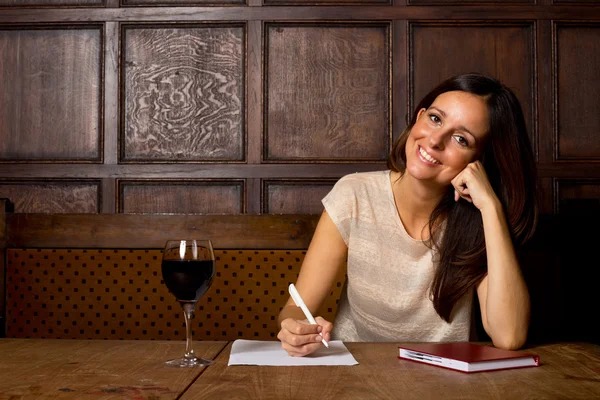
119,294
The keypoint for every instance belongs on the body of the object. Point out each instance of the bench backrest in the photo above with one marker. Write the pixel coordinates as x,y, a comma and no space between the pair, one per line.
98,276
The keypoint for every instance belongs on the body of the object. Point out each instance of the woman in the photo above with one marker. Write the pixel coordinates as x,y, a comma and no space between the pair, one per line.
420,238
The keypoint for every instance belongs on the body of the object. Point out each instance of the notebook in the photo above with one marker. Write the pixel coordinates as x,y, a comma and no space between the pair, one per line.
467,357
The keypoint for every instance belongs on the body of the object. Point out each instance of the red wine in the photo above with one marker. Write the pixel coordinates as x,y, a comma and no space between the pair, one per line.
188,280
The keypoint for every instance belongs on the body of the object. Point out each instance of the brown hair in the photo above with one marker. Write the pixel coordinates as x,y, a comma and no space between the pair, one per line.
509,163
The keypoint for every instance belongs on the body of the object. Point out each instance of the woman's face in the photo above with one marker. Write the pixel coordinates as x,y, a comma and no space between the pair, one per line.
446,137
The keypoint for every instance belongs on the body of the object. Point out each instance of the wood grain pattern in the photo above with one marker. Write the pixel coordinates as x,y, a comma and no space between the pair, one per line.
304,13
47,3
117,231
504,51
52,196
327,2
577,66
468,2
182,197
567,371
184,93
103,370
294,197
188,3
50,100
328,92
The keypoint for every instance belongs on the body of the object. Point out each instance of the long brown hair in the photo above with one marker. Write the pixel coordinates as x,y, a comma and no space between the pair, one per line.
509,163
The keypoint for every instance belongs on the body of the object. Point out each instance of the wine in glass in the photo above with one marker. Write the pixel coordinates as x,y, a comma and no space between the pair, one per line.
188,268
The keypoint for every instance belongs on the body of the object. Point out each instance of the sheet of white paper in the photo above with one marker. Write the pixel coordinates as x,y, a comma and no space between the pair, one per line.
258,352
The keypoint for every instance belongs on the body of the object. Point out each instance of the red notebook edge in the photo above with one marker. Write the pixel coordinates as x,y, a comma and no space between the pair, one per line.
471,372
468,353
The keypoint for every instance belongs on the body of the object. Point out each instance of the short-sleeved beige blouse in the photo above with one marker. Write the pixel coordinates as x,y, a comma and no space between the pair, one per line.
386,297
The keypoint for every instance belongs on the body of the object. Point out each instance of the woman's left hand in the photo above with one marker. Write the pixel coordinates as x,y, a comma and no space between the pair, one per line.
473,185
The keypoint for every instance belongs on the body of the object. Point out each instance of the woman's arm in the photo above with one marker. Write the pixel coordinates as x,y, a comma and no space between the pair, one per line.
503,294
326,254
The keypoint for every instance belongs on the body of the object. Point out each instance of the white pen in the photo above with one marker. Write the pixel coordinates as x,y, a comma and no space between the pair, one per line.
300,303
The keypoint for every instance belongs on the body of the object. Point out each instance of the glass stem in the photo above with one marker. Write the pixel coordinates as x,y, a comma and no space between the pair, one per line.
188,313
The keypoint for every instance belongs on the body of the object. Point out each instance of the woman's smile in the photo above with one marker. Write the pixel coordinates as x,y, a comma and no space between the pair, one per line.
426,157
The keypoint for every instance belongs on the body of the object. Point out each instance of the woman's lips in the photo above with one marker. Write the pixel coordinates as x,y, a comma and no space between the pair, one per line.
426,157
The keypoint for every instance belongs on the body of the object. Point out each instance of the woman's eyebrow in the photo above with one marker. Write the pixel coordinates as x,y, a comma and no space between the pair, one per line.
440,111
460,127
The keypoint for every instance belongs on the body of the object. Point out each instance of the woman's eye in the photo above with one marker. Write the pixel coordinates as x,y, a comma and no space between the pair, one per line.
434,118
461,140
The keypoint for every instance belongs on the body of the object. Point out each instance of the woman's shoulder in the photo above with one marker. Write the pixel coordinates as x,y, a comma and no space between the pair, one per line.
362,178
359,185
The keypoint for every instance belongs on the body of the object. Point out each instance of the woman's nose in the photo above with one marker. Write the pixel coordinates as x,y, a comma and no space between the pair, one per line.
436,139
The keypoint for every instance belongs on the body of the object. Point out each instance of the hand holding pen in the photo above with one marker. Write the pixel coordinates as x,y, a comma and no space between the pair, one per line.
300,338
300,303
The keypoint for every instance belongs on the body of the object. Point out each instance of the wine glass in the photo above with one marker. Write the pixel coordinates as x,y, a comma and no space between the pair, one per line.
188,268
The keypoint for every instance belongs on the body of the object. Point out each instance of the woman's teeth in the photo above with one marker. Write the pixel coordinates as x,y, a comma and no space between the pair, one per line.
427,156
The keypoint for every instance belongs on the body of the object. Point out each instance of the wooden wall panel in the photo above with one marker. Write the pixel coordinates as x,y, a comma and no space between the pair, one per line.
578,91
184,93
294,197
50,102
504,51
58,196
277,91
150,3
328,92
46,3
578,197
499,3
575,1
327,2
182,197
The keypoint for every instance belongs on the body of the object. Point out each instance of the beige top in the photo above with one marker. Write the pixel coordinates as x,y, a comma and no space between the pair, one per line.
386,297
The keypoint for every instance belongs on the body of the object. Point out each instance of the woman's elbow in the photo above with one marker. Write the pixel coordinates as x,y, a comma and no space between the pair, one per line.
510,342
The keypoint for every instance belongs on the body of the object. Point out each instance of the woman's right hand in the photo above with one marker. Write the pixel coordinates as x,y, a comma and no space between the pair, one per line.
300,338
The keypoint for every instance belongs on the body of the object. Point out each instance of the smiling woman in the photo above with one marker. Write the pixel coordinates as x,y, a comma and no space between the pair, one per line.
422,237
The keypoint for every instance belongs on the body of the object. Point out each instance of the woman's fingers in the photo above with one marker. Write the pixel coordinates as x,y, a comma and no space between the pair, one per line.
472,184
300,338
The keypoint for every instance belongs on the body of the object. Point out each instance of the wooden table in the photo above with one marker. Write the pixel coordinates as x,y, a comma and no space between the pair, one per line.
96,369
79,369
568,371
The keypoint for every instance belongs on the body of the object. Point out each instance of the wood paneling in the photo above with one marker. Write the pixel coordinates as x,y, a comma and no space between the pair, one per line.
575,1
46,3
276,90
577,91
505,51
150,3
4,208
327,2
182,197
184,93
328,92
294,197
57,196
499,3
50,102
114,231
578,197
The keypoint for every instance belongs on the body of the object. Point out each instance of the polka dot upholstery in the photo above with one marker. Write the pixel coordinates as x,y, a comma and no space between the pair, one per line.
119,294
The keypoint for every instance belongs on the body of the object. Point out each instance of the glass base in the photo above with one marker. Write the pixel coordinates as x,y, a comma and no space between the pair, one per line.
189,362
